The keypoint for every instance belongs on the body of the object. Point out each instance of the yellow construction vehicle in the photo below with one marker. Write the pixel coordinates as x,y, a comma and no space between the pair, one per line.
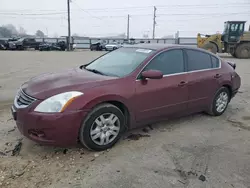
233,40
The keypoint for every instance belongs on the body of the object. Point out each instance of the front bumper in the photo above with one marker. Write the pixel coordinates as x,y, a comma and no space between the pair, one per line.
57,129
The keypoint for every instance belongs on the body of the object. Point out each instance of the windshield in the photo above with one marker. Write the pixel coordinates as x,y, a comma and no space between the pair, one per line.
120,62
226,27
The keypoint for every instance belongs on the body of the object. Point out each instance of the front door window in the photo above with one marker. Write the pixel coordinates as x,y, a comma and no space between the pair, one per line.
169,62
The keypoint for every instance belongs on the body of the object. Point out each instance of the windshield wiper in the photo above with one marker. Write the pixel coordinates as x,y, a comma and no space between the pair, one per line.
95,71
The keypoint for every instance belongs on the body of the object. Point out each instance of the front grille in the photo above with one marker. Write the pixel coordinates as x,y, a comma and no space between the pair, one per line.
24,100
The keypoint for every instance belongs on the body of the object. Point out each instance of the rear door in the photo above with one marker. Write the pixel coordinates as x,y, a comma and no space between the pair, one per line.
157,99
203,78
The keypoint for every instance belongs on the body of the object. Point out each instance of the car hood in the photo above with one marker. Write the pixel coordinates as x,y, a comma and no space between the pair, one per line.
47,85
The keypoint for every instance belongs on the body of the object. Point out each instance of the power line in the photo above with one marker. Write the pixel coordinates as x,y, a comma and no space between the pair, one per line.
198,14
214,14
37,14
85,11
243,4
32,17
158,6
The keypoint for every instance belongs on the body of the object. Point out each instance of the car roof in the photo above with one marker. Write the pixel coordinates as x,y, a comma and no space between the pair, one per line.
159,47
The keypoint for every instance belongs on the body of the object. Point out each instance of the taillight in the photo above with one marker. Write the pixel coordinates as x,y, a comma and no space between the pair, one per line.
234,75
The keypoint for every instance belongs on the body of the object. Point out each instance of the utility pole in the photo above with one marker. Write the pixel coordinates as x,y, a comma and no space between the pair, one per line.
154,22
128,27
69,30
47,32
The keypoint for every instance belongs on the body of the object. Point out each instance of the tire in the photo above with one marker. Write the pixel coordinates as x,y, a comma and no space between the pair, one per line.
210,47
104,110
243,51
213,109
114,48
20,48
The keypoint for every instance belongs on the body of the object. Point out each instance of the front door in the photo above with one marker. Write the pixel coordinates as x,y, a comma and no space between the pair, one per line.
160,98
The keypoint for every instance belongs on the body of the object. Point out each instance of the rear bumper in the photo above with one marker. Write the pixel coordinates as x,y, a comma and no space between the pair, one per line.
234,93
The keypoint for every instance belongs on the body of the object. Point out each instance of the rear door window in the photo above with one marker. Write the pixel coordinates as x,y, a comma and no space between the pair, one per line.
198,60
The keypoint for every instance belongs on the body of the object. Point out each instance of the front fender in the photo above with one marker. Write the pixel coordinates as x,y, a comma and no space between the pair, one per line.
105,98
88,102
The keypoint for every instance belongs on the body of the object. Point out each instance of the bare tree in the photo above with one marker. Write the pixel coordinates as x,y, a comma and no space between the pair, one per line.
5,32
12,28
39,33
22,31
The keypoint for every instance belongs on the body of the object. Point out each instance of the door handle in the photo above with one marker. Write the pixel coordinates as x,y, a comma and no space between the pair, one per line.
182,83
217,76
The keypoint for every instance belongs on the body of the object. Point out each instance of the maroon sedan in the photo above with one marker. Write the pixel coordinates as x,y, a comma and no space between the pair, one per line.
132,86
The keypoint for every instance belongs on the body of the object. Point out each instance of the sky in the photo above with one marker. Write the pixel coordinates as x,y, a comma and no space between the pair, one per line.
98,18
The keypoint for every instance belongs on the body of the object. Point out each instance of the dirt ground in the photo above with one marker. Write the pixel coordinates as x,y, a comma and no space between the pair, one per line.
191,152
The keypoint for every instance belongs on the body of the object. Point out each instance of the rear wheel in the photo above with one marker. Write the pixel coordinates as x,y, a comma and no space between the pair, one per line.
102,127
243,51
220,102
210,47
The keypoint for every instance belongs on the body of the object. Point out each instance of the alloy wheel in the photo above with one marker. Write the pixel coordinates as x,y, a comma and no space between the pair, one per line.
222,101
105,129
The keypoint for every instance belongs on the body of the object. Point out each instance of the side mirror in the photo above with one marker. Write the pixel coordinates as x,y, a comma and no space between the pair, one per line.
152,74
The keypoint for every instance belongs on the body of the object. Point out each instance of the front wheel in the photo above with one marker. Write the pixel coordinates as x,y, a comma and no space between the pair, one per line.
102,127
220,102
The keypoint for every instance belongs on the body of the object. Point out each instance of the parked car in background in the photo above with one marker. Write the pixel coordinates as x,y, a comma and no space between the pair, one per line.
132,86
59,46
112,46
2,47
24,43
3,44
97,46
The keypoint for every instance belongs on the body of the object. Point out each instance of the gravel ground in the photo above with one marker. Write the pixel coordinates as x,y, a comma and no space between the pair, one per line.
191,152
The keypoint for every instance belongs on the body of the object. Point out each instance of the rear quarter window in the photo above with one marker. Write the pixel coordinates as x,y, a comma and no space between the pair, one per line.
215,62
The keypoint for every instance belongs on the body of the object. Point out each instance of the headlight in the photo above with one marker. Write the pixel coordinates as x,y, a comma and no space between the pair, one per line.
57,103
